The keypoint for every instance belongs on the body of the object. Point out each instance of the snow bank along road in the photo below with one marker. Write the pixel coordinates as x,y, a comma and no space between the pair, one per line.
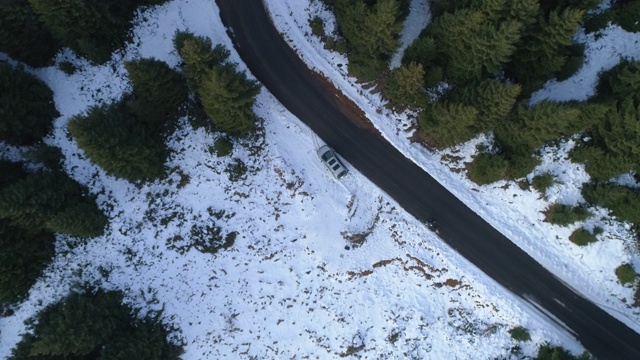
315,102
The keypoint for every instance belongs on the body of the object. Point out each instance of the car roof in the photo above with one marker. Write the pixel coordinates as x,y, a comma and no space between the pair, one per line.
330,159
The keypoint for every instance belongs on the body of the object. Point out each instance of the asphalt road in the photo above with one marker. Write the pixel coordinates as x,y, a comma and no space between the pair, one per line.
314,102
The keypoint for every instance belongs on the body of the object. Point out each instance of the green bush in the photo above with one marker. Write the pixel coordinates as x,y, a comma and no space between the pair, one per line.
621,200
565,214
520,165
548,352
222,147
542,182
236,170
67,67
487,168
626,274
582,237
317,26
520,333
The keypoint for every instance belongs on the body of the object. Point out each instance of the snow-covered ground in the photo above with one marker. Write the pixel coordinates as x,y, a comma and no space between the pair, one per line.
289,287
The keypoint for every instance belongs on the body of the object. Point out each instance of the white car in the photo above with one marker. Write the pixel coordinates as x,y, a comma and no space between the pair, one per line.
329,158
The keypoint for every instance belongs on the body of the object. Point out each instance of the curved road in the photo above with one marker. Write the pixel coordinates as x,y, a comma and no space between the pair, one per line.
313,101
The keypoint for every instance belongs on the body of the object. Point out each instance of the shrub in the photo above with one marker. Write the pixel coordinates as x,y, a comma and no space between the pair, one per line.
565,214
317,26
582,237
222,147
542,182
626,274
520,333
621,200
520,165
236,170
487,168
67,67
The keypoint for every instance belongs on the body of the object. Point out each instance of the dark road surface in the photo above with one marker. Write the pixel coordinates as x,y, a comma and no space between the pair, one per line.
272,61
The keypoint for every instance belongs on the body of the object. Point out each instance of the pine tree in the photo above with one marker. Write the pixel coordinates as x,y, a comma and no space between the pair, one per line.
82,220
619,133
110,138
444,124
372,32
31,201
228,97
541,51
79,324
11,172
146,340
23,256
493,99
198,55
93,29
405,84
158,92
23,36
94,325
473,45
27,107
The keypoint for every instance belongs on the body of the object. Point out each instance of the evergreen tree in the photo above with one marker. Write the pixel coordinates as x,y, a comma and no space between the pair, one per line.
228,97
23,36
93,325
474,46
158,91
621,81
542,50
11,172
621,200
619,134
23,256
53,201
79,324
199,56
145,340
82,220
531,127
110,137
445,124
372,32
27,107
93,29
31,201
405,84
493,99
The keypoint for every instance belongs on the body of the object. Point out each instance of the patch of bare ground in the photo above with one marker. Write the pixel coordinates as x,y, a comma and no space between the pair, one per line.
452,283
357,239
414,265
